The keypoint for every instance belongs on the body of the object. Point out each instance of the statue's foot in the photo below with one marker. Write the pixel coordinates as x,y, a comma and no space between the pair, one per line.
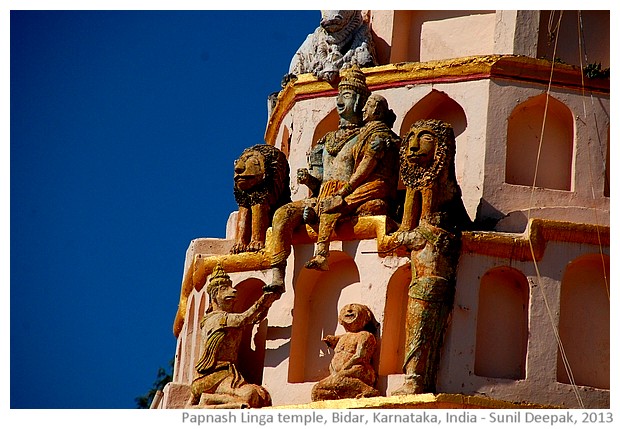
370,392
238,248
255,246
318,262
410,387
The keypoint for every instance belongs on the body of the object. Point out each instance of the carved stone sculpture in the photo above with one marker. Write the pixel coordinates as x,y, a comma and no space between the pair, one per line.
261,185
331,171
351,372
433,219
218,382
371,187
341,40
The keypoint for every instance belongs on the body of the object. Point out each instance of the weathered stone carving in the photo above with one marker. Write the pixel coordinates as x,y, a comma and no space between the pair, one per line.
351,372
218,382
433,219
371,187
338,157
341,40
261,186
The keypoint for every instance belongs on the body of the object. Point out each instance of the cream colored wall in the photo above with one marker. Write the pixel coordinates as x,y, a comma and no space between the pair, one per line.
457,369
585,202
420,35
457,37
295,362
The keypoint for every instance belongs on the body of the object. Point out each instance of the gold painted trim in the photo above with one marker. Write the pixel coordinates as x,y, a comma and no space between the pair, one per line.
510,67
421,401
491,243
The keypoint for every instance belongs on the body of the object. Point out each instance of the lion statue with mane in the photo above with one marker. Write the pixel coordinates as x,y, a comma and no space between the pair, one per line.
261,185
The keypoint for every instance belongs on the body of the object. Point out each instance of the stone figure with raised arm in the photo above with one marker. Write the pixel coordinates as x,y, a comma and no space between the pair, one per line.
351,372
218,382
433,218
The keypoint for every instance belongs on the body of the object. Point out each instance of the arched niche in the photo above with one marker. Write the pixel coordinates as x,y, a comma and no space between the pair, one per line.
252,348
436,105
407,30
502,324
328,123
584,322
392,355
555,163
318,299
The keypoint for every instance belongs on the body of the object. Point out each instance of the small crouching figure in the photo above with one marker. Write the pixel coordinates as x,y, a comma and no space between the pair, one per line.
217,382
351,372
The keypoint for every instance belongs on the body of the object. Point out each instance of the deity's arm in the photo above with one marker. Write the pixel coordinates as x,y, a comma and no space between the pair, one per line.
331,340
372,154
363,170
254,314
412,210
311,178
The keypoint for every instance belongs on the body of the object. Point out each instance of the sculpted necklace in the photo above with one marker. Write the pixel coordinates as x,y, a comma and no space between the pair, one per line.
337,140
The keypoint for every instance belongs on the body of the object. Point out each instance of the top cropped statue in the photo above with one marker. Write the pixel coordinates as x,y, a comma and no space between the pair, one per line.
433,219
346,176
341,40
261,185
218,382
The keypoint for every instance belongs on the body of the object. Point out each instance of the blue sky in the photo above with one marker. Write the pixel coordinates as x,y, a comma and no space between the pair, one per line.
124,126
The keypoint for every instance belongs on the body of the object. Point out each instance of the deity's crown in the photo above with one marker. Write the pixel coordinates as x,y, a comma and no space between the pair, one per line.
218,278
353,77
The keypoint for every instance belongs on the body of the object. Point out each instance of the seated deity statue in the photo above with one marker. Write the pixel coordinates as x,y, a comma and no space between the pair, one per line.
351,372
332,166
218,382
372,185
353,172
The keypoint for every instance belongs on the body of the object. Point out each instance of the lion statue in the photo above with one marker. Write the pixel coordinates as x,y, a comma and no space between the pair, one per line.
341,40
261,185
427,159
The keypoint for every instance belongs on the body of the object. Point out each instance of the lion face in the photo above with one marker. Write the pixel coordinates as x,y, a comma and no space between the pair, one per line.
249,170
335,20
421,146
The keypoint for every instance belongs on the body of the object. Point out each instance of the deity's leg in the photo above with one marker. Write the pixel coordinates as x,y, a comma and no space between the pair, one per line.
285,220
327,224
428,309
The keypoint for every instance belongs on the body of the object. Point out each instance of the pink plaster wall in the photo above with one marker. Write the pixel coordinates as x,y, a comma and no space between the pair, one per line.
515,359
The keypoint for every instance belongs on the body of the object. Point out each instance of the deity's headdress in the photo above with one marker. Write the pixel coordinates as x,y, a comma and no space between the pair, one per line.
353,77
218,278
